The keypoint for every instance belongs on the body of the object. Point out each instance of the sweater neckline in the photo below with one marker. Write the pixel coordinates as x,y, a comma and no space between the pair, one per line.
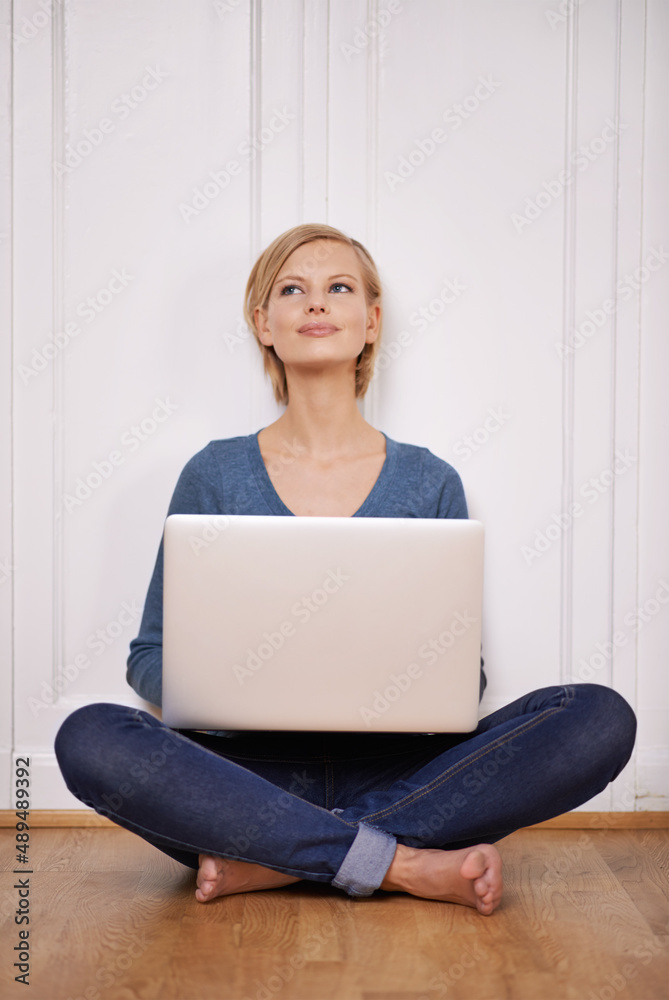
373,500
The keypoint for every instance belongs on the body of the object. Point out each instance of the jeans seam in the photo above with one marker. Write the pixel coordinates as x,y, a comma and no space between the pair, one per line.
228,756
182,845
271,760
415,796
329,784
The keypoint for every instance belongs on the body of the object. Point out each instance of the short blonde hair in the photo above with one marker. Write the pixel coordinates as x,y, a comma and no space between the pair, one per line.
261,281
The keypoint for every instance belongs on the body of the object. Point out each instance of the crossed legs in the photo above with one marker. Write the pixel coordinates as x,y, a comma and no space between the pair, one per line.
420,819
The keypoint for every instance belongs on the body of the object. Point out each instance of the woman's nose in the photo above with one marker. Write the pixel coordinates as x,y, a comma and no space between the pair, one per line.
315,304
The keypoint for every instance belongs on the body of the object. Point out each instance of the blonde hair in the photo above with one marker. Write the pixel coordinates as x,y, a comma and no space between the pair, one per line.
262,278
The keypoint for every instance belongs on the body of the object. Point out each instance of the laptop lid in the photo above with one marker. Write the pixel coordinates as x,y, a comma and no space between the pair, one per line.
322,623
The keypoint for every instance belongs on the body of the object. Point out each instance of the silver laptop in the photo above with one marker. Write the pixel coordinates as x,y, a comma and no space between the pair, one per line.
322,623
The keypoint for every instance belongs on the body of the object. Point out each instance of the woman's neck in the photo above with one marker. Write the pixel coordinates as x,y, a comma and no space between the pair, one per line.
323,418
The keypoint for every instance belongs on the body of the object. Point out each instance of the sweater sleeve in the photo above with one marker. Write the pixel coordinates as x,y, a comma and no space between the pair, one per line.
452,503
198,491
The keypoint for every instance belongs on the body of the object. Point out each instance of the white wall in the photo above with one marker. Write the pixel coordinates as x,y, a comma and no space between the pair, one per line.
516,88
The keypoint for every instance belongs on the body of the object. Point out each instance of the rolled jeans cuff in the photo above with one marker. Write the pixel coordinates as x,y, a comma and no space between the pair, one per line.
367,861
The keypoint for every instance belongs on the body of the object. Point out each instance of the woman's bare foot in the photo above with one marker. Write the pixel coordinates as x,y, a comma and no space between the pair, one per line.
225,876
472,875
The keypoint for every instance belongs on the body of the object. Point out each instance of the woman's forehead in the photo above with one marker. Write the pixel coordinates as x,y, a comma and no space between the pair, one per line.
322,256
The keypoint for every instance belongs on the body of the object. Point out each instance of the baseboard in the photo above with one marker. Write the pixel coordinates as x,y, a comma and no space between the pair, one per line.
56,817
568,821
649,820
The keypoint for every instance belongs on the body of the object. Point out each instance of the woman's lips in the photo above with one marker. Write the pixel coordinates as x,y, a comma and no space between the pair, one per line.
318,329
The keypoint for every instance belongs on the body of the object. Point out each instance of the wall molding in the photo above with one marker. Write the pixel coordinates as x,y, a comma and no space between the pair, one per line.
44,818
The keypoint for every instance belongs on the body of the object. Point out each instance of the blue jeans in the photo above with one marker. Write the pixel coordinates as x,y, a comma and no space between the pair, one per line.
331,807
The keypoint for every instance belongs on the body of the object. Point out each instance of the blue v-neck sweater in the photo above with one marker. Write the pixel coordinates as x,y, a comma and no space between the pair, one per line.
230,477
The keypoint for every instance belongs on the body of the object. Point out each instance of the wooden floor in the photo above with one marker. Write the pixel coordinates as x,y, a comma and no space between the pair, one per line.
585,916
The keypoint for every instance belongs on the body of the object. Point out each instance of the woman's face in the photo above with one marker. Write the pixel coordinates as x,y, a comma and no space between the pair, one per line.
317,314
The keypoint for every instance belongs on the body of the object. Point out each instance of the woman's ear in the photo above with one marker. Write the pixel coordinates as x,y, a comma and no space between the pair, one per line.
373,322
264,334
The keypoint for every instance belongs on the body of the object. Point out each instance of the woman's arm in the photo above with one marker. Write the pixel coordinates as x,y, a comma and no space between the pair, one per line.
452,503
198,491
145,662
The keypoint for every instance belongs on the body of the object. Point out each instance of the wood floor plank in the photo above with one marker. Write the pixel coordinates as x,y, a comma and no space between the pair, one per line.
569,894
641,865
78,849
585,916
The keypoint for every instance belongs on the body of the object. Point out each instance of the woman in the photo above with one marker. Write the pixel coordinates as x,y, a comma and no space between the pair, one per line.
406,812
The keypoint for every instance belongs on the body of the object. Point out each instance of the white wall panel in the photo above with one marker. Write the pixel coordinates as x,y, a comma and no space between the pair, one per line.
189,135
490,348
649,610
279,99
6,544
35,624
313,122
353,122
154,373
625,333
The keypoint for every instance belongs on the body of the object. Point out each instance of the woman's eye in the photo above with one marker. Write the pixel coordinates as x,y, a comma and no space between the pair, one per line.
339,285
289,289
